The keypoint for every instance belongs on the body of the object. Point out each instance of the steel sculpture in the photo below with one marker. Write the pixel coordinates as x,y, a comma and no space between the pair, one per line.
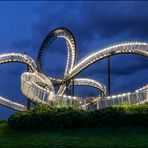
38,87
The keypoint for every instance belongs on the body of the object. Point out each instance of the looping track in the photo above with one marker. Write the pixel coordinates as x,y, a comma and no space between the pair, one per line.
39,88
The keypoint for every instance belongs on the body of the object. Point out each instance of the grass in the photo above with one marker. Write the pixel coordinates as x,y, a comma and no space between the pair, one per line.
93,137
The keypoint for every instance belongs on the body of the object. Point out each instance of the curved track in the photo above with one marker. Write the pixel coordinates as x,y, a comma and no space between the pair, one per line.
124,48
60,32
91,83
39,88
20,58
12,105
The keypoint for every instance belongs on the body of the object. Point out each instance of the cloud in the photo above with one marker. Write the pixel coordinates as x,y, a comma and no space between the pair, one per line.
90,21
93,23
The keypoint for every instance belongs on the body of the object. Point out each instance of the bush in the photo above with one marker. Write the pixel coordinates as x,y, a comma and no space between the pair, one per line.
3,121
45,117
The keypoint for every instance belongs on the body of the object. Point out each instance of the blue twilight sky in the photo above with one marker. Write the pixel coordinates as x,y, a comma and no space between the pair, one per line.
23,26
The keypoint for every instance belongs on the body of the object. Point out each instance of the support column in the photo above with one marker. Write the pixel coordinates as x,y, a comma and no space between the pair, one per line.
98,106
66,87
28,101
73,87
109,91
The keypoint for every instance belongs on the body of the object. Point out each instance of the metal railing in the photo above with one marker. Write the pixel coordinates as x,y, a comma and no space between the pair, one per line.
12,105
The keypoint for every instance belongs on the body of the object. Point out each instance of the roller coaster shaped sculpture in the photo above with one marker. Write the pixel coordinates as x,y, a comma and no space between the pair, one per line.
40,88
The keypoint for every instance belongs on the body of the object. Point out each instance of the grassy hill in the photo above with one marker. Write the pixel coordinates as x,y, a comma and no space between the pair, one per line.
91,137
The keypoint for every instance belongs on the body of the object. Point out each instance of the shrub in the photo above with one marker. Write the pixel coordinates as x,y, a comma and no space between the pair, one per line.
45,117
3,121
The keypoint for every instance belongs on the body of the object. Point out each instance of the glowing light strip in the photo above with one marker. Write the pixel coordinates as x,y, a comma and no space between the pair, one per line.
17,57
39,88
11,104
109,51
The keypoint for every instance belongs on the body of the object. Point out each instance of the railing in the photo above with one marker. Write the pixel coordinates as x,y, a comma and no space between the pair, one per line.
93,103
17,57
138,97
36,93
33,91
12,105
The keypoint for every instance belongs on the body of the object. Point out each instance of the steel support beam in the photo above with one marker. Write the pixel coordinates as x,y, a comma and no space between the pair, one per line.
109,73
28,100
73,85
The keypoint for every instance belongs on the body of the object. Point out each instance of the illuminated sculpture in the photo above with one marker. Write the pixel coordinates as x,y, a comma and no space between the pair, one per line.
39,88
